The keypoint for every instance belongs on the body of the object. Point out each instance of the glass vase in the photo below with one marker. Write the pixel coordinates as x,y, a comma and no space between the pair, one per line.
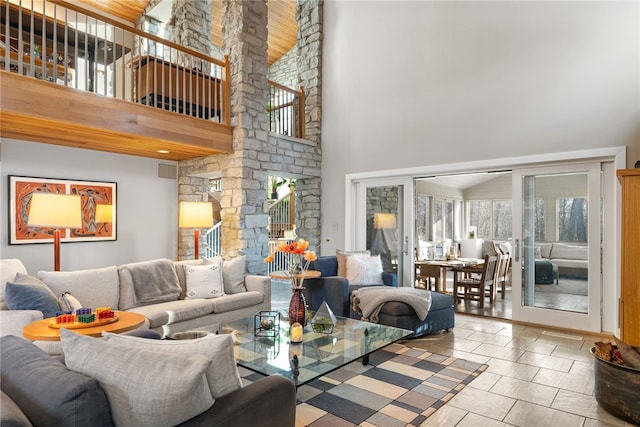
297,308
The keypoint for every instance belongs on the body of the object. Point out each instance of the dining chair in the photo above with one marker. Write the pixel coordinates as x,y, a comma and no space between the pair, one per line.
468,286
502,273
427,276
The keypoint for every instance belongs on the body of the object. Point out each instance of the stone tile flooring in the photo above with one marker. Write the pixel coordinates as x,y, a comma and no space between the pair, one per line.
536,376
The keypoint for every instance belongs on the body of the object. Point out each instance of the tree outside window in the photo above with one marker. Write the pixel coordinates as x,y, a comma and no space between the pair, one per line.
572,219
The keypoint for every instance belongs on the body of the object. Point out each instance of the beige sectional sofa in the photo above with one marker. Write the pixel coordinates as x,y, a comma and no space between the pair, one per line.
568,260
162,286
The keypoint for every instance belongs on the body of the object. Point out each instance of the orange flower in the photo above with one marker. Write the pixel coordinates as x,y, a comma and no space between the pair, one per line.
310,256
269,258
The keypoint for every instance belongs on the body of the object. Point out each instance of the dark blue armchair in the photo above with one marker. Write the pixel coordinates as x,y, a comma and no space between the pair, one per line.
334,289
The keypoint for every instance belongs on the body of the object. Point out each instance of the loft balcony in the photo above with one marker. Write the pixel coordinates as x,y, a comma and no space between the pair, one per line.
71,77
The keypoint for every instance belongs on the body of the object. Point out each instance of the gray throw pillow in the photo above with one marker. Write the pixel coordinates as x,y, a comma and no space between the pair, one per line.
222,375
29,293
233,271
144,388
48,393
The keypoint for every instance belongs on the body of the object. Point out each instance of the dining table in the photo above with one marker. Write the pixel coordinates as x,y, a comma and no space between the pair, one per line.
453,265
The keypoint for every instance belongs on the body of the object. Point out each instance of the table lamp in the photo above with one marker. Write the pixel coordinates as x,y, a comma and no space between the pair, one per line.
196,215
56,211
104,216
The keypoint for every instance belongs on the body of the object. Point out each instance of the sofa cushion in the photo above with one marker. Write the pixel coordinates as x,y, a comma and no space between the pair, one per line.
342,260
204,281
222,375
545,249
93,287
236,301
29,293
144,388
8,270
562,251
363,269
326,265
233,271
182,279
166,313
46,391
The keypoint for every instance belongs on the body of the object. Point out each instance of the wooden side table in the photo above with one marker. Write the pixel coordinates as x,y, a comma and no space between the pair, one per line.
41,331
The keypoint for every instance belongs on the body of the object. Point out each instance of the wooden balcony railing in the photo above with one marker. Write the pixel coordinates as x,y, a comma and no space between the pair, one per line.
65,44
286,110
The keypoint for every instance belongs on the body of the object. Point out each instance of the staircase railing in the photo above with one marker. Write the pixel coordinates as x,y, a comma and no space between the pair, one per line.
282,216
286,111
213,242
63,43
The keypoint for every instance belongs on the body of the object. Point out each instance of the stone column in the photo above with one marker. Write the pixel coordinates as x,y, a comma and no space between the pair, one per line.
244,215
309,64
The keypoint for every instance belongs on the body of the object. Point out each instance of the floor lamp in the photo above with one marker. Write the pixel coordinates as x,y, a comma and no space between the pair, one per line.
196,215
55,211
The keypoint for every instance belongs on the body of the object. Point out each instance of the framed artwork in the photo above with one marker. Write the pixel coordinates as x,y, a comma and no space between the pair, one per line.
98,204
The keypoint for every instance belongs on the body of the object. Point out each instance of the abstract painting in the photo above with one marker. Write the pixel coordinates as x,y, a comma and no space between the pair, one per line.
92,195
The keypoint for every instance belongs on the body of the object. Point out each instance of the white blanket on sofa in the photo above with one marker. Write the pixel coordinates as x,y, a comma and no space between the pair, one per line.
368,301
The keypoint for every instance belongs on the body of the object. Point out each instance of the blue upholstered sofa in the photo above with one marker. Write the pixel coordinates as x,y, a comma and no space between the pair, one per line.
336,291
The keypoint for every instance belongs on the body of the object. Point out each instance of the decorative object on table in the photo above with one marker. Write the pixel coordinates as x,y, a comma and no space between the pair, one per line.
83,318
297,261
267,324
324,319
188,335
91,193
297,308
296,332
196,215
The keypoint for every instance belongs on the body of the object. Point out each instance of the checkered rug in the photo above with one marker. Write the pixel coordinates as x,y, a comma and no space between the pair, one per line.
401,386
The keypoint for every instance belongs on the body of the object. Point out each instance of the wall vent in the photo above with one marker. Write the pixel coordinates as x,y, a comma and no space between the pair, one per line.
167,171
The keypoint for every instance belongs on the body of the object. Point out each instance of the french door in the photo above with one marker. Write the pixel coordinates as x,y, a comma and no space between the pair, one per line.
557,246
381,223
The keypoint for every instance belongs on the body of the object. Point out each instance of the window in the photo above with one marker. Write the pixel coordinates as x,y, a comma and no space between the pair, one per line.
571,219
492,218
423,221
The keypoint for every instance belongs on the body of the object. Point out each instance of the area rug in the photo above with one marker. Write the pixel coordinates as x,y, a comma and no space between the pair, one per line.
401,386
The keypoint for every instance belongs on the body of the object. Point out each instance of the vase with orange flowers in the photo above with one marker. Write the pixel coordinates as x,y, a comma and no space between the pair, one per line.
297,257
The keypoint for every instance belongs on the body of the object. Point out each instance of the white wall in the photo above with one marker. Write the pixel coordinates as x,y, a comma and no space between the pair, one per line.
408,84
147,208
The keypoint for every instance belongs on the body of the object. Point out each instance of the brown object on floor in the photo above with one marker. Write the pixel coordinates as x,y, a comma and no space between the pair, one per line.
607,352
629,355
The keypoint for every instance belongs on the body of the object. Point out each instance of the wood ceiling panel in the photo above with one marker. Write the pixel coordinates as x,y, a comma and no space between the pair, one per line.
282,25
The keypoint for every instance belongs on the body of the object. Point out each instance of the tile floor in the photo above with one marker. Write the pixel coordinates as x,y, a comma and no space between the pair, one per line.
536,376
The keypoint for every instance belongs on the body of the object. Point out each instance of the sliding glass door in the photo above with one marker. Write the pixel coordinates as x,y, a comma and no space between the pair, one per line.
557,240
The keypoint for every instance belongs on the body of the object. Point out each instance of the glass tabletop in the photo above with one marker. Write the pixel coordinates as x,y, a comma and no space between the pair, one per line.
317,354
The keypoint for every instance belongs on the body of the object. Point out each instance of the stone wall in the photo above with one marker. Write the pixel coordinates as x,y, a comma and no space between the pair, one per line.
285,70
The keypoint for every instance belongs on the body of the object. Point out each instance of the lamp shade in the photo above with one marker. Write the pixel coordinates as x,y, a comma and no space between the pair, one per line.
385,221
55,210
196,214
104,213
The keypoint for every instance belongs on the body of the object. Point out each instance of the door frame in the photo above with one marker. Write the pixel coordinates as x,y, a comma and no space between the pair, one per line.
611,193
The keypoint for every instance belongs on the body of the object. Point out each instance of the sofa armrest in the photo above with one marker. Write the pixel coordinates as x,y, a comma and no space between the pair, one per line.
268,402
12,321
390,279
334,290
260,284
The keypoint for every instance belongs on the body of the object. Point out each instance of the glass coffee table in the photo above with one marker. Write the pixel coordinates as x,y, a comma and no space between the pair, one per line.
317,354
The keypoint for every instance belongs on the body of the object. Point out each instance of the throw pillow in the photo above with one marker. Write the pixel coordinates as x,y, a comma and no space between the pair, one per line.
363,269
538,254
96,287
222,375
47,391
69,303
204,281
233,275
342,260
28,293
143,387
152,282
